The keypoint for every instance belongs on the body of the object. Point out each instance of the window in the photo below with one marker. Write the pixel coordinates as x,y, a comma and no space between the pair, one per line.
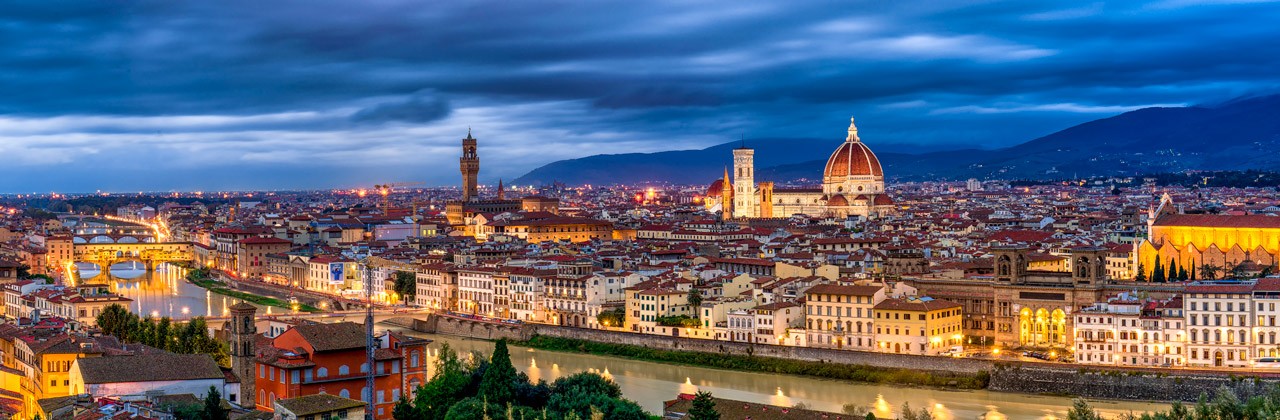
322,373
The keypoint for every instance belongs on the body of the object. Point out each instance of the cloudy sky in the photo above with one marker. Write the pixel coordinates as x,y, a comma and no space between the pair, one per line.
160,95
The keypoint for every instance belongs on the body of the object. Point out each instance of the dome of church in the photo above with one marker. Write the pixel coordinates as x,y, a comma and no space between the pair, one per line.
716,188
837,201
883,200
853,158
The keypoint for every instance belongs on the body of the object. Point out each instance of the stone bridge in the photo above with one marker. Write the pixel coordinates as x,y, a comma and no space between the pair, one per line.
151,254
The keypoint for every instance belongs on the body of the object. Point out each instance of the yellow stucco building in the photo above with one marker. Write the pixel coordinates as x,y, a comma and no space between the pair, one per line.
917,325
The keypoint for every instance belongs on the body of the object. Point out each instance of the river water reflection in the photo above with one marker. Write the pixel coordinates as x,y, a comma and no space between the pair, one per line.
163,292
651,383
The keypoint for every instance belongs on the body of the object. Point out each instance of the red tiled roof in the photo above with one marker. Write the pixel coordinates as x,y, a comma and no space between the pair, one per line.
840,289
1216,220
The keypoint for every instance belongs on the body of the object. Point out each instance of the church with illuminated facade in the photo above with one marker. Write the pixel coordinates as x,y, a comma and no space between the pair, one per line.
852,185
1247,244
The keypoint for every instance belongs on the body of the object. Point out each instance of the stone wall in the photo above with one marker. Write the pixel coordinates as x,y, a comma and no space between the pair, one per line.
1120,384
489,331
1033,378
906,361
466,328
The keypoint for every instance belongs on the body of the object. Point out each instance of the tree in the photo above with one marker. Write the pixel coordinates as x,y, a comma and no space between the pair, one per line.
612,318
24,272
909,414
1209,271
447,386
695,300
498,384
1173,269
1080,410
1157,273
403,410
704,407
406,285
213,406
1142,273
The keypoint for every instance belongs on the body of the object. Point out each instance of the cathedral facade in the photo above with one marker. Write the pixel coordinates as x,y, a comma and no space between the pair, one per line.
852,185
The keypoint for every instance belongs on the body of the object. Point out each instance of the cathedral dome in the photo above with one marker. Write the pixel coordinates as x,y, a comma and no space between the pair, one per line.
853,158
837,201
716,188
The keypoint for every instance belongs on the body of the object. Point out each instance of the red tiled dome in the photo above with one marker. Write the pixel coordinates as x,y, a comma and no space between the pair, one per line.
883,200
716,188
837,201
853,158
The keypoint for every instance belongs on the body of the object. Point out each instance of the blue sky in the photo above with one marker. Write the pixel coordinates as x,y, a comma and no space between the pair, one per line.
203,95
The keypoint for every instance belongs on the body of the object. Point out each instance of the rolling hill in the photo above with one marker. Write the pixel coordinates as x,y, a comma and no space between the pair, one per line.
1235,135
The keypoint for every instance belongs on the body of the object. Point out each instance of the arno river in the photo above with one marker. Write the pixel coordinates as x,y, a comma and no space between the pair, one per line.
163,292
652,383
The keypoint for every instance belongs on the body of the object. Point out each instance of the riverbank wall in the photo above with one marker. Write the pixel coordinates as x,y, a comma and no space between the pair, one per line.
1123,384
522,332
1020,377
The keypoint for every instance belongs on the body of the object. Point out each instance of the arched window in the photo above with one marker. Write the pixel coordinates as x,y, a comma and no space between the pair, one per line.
322,372
364,367
344,394
343,370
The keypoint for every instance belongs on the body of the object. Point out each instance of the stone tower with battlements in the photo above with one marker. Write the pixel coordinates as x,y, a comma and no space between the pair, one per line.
240,336
469,164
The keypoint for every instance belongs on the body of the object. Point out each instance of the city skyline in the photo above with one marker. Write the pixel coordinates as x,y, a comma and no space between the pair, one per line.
156,97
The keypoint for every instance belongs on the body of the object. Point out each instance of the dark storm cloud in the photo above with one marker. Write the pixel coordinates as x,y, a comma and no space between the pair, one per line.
294,93
417,109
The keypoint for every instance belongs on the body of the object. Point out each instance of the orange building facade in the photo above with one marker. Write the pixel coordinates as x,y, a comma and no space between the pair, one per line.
330,359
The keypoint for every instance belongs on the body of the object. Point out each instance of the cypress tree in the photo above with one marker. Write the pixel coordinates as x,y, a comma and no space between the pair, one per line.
704,408
1157,273
498,384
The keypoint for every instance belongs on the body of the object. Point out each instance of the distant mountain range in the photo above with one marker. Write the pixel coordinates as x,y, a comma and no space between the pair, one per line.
1235,135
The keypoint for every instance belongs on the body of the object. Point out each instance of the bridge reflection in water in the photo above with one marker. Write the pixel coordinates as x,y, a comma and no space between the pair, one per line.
160,293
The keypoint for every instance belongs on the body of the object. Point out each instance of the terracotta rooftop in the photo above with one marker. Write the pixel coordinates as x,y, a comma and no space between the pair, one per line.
1217,220
149,368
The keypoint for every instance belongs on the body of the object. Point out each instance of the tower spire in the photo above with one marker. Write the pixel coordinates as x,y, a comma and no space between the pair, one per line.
501,194
853,132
